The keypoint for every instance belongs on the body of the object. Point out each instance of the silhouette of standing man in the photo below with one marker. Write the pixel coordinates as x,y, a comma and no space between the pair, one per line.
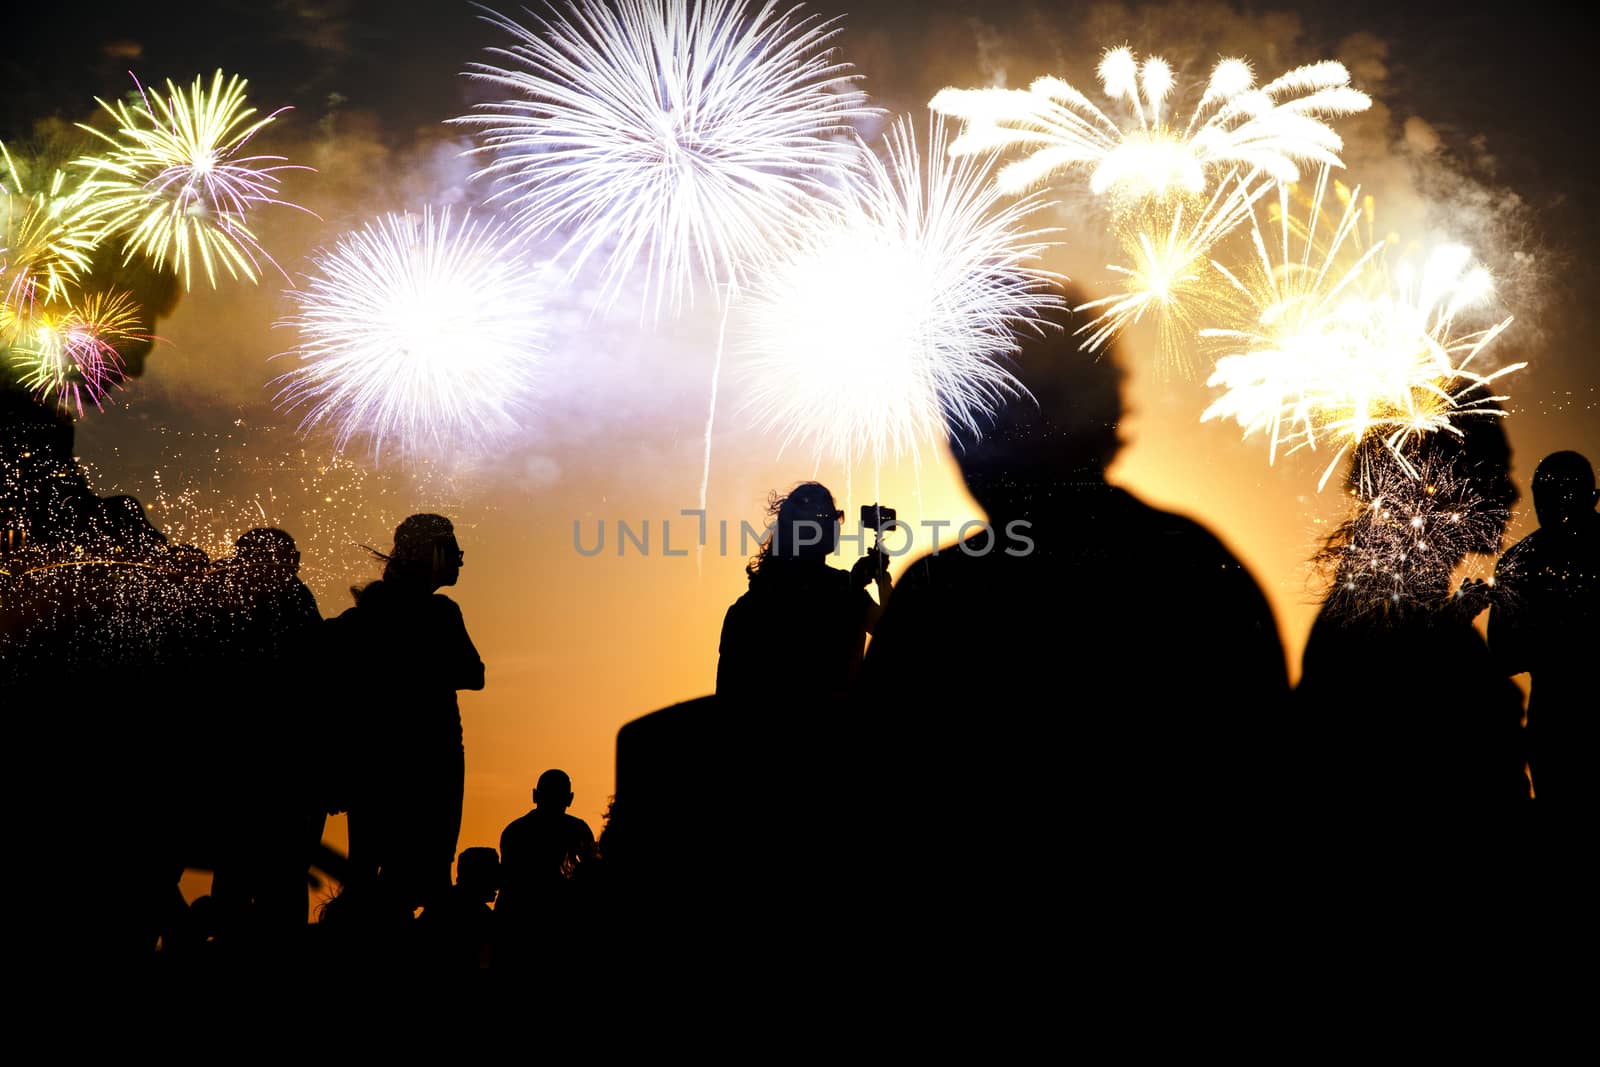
541,849
414,654
1545,620
539,912
1106,669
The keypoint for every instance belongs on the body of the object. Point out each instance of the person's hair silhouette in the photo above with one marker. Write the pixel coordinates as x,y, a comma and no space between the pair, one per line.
425,553
805,527
1545,620
799,617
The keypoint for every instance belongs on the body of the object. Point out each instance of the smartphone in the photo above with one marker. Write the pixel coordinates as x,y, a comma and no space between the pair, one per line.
874,516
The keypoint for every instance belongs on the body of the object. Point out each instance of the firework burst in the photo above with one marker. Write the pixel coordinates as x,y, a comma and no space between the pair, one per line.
1336,345
889,322
69,350
1168,273
419,332
1150,152
45,240
1410,527
676,135
174,183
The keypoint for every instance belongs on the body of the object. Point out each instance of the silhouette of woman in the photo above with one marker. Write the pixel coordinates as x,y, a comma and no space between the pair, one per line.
1401,703
405,816
800,617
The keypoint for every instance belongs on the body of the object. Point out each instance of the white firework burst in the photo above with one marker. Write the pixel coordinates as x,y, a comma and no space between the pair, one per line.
890,322
1272,128
670,134
419,332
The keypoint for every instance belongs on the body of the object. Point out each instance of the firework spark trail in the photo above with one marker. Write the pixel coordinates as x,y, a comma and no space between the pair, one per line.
330,503
143,565
421,332
887,324
1235,125
1337,345
173,182
69,350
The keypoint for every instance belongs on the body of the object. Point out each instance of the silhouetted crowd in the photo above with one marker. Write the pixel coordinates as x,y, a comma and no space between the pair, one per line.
1097,723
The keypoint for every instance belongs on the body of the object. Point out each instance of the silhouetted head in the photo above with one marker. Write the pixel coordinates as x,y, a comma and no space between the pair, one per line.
122,530
478,873
1059,432
808,523
1564,490
553,790
805,527
425,553
267,547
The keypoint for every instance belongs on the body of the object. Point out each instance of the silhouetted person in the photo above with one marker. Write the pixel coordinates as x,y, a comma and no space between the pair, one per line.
263,608
800,617
90,645
1404,710
410,653
541,855
541,850
260,626
459,931
1110,673
1545,620
85,675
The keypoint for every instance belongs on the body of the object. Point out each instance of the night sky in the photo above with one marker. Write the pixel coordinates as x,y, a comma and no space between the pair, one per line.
1482,131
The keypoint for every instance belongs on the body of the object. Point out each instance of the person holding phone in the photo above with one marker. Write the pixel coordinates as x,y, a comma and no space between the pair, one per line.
801,618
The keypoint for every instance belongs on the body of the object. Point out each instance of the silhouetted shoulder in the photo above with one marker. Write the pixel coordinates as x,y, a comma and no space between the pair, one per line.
1517,557
305,602
1129,523
445,607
